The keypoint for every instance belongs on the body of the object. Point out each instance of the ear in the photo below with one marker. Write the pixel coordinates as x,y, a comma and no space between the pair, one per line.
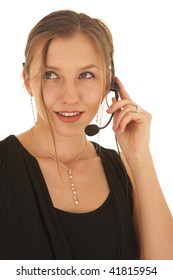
26,82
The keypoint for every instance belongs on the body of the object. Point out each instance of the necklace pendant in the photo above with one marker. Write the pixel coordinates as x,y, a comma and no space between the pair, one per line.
75,198
76,202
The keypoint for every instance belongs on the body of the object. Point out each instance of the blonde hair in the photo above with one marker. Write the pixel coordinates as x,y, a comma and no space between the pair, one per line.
66,23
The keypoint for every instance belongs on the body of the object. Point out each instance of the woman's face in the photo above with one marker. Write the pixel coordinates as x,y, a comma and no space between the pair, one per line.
73,83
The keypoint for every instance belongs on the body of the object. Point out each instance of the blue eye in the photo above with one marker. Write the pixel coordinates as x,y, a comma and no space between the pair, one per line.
86,75
50,75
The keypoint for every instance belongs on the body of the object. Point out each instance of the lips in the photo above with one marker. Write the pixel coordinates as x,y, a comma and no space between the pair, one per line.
69,117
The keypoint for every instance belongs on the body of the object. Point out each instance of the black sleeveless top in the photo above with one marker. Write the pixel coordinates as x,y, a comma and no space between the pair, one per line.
91,235
31,228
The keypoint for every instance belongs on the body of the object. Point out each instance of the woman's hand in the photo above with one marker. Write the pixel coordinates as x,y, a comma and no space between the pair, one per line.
131,124
151,212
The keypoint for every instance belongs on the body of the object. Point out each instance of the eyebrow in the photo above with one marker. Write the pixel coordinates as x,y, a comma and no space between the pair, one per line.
82,68
89,66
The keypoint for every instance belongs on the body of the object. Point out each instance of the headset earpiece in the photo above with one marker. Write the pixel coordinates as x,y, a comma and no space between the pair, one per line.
115,88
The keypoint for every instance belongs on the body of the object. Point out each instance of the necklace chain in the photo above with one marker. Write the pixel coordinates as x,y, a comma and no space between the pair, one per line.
69,170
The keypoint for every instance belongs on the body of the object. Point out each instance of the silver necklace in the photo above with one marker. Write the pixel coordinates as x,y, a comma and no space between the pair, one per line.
69,170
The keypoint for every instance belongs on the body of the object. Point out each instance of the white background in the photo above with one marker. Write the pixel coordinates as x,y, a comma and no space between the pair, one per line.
143,39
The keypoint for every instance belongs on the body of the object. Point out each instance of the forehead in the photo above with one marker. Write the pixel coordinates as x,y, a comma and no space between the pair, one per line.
69,53
78,47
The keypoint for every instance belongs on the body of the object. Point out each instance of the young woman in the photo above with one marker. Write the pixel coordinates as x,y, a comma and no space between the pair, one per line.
62,197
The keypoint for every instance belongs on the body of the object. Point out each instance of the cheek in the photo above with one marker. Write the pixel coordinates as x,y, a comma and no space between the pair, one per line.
93,90
50,95
94,98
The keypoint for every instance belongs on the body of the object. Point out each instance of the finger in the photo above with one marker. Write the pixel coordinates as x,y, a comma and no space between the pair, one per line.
120,105
129,118
115,116
122,113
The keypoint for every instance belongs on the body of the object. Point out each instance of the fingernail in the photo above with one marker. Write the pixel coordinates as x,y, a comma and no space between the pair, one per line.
109,110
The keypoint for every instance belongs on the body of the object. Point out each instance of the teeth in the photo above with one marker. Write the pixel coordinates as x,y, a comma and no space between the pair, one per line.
71,114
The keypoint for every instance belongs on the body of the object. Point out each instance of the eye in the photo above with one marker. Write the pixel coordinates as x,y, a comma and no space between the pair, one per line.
86,75
48,75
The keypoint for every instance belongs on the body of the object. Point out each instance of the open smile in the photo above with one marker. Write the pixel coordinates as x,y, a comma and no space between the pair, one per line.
69,117
69,114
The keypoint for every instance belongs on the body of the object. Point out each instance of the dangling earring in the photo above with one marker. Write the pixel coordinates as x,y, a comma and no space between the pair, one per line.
97,118
32,107
99,114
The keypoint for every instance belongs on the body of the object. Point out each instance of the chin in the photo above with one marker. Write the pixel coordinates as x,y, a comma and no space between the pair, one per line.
69,132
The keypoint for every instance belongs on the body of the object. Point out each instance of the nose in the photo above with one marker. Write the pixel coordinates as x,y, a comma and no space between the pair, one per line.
69,93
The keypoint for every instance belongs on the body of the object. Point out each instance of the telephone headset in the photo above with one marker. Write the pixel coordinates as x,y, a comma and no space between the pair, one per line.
93,129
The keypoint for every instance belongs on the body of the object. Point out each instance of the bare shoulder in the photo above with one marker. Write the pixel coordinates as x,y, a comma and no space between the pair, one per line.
26,141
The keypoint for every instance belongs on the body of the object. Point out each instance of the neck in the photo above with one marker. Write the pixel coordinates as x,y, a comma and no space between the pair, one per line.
65,148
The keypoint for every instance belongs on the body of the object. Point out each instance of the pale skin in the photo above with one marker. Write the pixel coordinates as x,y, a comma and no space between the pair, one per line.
76,84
